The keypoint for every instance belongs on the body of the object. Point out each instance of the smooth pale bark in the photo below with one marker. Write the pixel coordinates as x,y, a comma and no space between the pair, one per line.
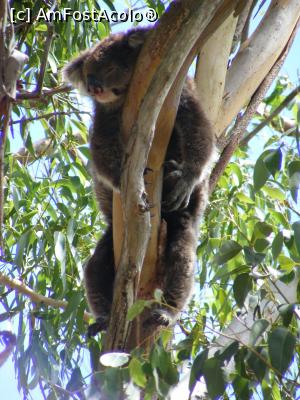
212,67
257,57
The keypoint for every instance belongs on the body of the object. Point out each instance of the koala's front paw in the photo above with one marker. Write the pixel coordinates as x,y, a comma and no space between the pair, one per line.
159,317
100,325
177,187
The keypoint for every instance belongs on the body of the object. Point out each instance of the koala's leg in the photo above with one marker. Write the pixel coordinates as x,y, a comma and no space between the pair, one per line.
180,257
179,269
99,280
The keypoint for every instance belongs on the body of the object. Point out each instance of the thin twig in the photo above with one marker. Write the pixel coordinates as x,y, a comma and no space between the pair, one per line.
245,32
242,121
20,287
243,18
3,134
47,46
267,120
44,93
251,348
47,116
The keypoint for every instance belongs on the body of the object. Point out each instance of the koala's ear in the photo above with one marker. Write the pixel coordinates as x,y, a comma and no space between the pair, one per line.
137,37
73,71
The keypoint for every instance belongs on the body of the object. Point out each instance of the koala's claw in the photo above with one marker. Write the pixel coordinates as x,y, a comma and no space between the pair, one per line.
177,187
159,317
178,198
100,325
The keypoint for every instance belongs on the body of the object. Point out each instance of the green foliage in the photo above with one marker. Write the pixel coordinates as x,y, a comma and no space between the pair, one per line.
251,232
281,349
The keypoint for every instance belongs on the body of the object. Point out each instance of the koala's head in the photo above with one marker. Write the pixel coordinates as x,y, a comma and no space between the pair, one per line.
104,71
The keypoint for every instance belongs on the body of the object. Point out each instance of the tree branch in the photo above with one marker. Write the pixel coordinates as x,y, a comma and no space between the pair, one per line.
47,47
11,62
211,68
242,121
242,21
43,147
20,287
254,61
47,116
44,93
245,31
269,118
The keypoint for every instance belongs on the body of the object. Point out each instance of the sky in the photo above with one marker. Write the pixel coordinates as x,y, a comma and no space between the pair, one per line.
291,68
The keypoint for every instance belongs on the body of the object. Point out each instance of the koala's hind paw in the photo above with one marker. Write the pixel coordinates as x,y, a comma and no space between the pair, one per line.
100,325
159,317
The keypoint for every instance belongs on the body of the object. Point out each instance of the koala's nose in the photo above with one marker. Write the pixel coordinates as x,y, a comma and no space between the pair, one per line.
93,84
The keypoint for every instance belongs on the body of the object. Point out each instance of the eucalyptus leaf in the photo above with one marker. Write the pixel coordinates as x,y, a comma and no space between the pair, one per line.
273,161
228,250
277,245
241,287
197,369
296,228
214,378
260,175
258,328
136,372
281,344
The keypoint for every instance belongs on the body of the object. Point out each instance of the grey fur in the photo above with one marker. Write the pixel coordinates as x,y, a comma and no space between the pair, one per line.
106,70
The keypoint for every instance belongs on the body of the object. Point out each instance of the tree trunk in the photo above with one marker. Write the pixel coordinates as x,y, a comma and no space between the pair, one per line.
158,80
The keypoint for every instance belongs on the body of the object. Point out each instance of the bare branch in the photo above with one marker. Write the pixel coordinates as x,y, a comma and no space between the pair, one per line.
20,287
45,147
44,93
242,121
212,65
245,32
269,118
242,21
47,116
47,46
255,60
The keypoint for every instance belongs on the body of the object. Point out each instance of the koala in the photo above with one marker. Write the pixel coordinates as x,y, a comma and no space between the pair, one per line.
103,73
